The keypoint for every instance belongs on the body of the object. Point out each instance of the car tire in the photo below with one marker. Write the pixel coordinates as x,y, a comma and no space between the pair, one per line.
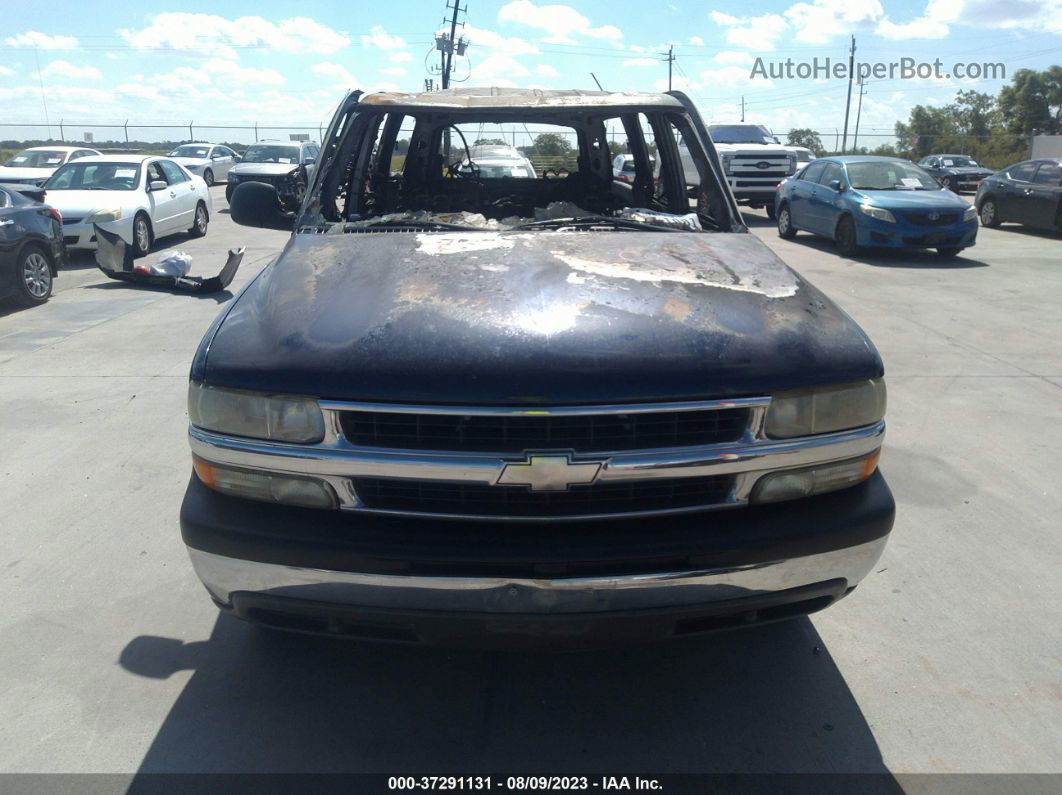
989,213
948,253
786,230
34,276
845,237
770,211
208,178
200,221
142,235
228,193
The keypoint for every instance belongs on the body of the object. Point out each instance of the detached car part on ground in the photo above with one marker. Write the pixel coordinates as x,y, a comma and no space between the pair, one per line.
862,201
412,426
31,244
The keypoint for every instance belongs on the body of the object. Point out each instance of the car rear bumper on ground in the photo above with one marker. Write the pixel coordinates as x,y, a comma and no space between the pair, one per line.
555,585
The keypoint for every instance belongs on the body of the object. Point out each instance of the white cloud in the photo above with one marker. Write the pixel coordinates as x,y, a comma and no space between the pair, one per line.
933,24
820,20
400,57
756,33
218,36
696,41
232,74
560,23
5,71
378,37
41,41
337,73
483,38
67,69
397,71
733,58
545,70
1037,17
641,62
498,70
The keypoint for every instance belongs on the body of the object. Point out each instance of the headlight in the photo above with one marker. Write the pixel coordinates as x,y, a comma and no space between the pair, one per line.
104,216
970,214
267,486
836,408
819,479
275,417
726,162
878,212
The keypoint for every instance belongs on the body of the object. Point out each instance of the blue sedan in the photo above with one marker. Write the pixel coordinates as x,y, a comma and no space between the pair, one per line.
862,200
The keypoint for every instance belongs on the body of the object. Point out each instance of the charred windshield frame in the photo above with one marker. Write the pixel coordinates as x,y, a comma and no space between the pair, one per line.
354,182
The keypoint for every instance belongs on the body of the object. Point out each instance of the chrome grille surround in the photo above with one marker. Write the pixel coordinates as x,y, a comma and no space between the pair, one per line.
338,462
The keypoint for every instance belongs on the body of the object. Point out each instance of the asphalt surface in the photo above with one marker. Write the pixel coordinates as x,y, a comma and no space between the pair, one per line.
947,659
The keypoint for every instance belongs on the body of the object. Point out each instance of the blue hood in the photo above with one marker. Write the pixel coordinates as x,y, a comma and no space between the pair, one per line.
912,199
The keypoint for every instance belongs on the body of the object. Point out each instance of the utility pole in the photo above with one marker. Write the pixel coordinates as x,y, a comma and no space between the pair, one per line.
848,104
742,108
670,58
859,112
448,51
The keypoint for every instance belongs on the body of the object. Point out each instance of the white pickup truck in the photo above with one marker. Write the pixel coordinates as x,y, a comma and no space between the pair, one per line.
754,162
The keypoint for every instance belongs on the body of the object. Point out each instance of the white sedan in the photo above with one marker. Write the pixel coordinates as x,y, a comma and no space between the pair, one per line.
33,166
140,198
209,161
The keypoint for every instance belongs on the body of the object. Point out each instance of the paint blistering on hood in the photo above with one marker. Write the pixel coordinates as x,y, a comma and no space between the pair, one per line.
536,316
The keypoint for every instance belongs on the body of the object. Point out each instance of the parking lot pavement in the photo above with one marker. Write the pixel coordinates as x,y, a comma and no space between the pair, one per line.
946,659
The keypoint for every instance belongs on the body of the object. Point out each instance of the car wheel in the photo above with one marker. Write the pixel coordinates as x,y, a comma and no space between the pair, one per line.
785,223
989,213
948,253
947,183
141,235
34,277
228,193
208,178
199,225
845,237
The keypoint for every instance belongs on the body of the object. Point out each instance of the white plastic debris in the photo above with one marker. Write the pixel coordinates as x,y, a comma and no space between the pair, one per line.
170,263
689,221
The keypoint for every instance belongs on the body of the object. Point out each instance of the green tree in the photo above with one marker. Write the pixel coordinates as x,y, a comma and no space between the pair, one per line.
551,145
806,137
490,142
1033,101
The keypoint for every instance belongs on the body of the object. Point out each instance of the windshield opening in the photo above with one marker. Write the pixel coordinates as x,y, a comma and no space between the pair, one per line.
958,161
190,151
95,176
889,175
740,134
271,153
39,158
507,169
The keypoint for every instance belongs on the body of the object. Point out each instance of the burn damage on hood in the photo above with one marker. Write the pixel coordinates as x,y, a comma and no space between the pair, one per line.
531,317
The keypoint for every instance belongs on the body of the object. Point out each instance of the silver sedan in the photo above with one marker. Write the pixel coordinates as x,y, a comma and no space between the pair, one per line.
209,161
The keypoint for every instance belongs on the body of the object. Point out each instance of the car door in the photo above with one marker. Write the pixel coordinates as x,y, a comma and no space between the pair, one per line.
1041,197
220,162
800,198
1010,195
163,202
10,235
931,165
183,190
828,202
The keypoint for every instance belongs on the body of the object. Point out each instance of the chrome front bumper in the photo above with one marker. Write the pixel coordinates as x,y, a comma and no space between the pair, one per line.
225,576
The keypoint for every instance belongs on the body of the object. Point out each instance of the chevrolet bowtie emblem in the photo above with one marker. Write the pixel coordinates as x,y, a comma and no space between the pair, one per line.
548,473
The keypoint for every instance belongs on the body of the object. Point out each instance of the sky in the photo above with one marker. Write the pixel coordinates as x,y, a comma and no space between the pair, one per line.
288,64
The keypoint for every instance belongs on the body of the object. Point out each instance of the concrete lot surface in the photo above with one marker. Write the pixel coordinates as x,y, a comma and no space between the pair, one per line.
947,659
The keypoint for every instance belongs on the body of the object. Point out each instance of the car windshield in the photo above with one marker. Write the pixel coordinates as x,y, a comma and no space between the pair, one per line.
739,134
190,151
889,175
36,158
95,176
271,153
499,170
960,162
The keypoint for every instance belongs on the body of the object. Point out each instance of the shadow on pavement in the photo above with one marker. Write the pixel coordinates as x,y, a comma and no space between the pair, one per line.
219,297
894,258
759,700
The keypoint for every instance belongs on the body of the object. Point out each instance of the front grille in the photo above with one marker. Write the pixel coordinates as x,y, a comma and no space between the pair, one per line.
923,219
477,499
585,433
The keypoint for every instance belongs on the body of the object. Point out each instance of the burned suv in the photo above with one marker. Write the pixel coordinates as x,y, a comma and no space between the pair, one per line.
560,410
287,166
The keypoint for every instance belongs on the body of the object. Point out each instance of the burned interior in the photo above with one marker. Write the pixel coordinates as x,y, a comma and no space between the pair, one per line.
439,181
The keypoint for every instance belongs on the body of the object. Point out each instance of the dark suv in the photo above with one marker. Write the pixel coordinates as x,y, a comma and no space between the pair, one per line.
286,165
558,410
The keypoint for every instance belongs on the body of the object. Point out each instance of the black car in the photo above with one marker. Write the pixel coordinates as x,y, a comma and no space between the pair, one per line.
31,244
1027,193
955,172
462,408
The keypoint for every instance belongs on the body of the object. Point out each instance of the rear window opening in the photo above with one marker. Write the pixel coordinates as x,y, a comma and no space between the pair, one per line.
504,170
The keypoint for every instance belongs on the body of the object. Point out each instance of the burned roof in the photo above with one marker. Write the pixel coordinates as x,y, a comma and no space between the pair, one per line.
519,98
